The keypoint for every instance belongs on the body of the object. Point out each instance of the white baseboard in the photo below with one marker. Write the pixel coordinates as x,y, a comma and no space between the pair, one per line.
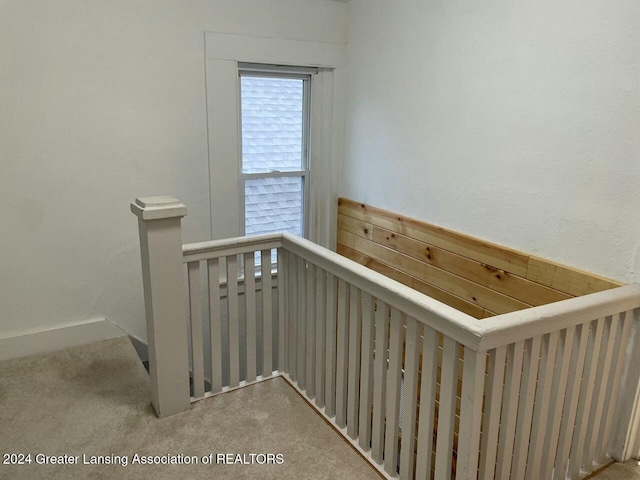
63,336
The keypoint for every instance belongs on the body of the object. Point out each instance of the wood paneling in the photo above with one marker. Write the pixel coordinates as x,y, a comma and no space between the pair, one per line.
416,284
489,253
447,281
479,278
499,280
572,281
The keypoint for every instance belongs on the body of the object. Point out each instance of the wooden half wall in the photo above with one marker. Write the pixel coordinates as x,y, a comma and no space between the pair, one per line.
477,277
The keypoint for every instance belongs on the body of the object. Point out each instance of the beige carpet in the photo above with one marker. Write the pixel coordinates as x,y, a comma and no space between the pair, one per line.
94,401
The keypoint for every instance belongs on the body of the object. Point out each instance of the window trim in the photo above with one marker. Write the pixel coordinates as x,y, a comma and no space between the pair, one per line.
262,68
278,71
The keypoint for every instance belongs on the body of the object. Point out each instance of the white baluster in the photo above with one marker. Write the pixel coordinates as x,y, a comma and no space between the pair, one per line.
250,314
215,325
267,313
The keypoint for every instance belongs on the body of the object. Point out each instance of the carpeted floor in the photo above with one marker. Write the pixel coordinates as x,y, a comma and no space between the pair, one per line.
94,401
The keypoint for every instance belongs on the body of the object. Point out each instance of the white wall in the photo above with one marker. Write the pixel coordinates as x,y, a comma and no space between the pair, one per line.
518,122
103,101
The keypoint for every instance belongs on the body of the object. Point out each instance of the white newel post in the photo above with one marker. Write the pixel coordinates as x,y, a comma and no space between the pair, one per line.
161,252
626,435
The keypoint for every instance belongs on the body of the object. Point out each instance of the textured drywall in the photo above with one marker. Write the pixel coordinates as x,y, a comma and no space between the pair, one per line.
518,122
104,101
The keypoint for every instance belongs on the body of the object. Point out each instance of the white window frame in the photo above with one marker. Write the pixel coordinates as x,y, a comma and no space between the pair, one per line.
223,52
276,71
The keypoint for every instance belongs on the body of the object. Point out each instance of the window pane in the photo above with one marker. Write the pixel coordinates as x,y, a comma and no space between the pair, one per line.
271,124
273,205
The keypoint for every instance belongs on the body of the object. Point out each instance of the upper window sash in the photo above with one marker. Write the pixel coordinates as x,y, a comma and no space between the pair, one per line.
301,167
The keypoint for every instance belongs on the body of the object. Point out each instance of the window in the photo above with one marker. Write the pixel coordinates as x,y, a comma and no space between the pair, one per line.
274,129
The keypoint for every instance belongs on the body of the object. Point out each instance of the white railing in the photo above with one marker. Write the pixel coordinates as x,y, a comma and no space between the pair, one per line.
236,291
419,388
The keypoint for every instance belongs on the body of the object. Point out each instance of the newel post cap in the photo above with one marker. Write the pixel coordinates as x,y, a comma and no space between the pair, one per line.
155,208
